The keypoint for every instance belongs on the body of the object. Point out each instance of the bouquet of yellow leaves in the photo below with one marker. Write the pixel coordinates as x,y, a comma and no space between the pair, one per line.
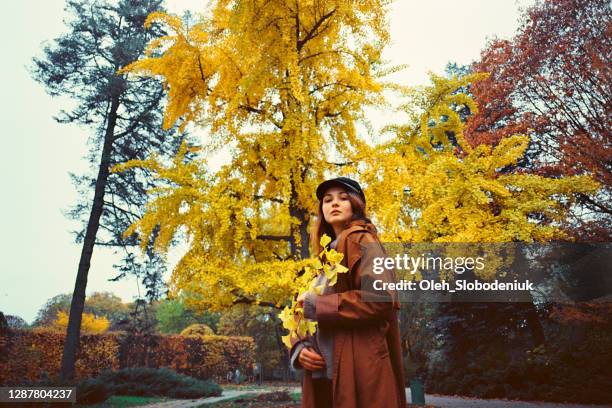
329,263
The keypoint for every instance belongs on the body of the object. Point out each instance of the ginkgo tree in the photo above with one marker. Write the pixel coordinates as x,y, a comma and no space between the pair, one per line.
284,86
428,184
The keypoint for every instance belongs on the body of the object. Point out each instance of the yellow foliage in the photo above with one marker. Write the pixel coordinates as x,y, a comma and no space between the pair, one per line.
280,83
422,188
89,322
293,316
284,86
197,329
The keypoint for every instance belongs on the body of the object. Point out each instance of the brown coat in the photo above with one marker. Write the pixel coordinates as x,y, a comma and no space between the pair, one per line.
368,368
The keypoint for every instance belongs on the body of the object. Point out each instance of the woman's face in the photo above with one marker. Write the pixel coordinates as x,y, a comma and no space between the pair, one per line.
337,208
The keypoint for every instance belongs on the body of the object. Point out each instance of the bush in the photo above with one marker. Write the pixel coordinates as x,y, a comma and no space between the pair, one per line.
26,354
205,357
198,329
162,382
92,391
566,371
38,351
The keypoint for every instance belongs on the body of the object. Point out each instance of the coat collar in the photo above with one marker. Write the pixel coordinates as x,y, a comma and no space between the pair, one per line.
353,226
360,223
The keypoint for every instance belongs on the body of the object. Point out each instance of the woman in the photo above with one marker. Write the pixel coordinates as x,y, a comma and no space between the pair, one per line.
355,358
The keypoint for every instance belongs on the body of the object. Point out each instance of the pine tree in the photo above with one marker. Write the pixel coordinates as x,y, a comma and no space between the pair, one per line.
124,115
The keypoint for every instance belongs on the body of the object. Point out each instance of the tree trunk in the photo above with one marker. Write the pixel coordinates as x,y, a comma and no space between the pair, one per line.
71,342
300,214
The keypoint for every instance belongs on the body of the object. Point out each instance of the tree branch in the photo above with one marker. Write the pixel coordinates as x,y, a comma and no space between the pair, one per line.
261,112
277,200
310,35
341,164
586,199
242,299
274,237
136,121
248,301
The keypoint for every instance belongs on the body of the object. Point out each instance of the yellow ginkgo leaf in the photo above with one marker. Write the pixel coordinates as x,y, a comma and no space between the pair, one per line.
328,271
312,328
325,240
287,340
340,268
334,256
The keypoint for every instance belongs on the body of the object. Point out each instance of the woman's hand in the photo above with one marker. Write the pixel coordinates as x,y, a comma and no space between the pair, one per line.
310,359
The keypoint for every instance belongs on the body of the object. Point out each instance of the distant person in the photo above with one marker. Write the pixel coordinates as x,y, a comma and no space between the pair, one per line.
257,372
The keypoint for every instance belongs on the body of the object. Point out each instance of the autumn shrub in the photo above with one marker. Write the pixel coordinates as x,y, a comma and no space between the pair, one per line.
197,329
197,356
261,324
34,354
162,382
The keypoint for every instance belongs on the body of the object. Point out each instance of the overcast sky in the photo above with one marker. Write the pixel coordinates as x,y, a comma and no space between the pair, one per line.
39,258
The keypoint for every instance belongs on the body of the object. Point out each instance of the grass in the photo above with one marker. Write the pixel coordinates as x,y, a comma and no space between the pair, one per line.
248,387
256,400
120,401
265,385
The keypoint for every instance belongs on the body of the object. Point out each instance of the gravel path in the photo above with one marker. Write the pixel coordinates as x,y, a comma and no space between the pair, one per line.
182,403
440,401
227,394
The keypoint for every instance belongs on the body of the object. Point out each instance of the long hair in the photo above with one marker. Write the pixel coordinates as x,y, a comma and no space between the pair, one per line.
323,227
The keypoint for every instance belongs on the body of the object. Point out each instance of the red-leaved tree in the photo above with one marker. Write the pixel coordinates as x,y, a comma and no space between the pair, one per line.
553,81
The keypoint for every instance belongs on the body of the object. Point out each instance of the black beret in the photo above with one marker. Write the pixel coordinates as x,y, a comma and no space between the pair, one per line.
347,183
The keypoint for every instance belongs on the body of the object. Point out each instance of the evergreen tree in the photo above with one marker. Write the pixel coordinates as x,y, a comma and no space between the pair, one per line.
124,116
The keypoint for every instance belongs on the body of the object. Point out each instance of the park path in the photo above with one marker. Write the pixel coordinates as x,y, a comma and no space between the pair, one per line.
439,401
227,394
445,401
